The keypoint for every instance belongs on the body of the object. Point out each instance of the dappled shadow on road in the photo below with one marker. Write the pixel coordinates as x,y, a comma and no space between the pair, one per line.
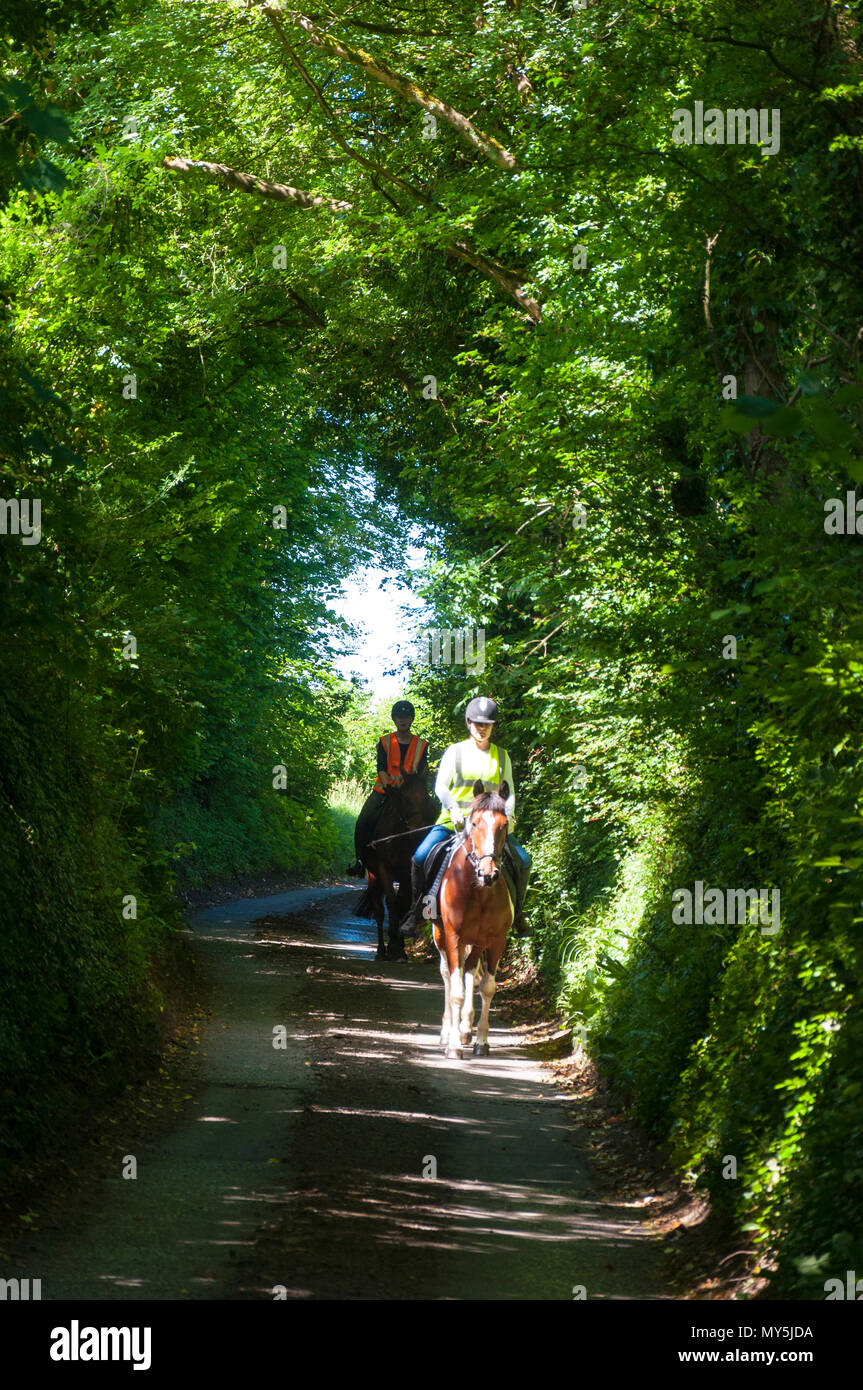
333,1152
413,1176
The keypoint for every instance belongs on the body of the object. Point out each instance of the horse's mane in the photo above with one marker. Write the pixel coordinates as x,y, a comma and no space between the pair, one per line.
489,801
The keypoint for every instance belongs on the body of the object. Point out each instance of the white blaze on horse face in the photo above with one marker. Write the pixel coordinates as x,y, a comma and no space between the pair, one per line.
485,830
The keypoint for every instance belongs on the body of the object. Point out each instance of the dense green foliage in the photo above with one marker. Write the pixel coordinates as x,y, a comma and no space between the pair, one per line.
599,500
168,704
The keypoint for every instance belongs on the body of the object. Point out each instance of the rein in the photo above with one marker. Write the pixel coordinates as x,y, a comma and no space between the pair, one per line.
400,836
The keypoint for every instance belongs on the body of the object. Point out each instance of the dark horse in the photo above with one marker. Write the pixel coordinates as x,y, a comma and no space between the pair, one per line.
474,914
407,808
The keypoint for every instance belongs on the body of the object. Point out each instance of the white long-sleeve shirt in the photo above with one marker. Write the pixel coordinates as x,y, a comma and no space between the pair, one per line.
492,768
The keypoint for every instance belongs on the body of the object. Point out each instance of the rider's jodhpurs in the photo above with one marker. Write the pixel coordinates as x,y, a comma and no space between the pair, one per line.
434,837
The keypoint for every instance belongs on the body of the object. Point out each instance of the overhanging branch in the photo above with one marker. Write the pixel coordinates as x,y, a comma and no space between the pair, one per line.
405,87
507,279
248,183
361,159
285,193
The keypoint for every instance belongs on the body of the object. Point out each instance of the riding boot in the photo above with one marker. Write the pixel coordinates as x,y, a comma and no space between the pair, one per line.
413,918
521,871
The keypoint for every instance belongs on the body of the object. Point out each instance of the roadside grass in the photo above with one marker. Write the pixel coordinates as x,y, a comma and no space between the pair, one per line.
345,801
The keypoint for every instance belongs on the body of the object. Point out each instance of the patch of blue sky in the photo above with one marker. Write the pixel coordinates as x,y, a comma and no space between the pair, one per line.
384,617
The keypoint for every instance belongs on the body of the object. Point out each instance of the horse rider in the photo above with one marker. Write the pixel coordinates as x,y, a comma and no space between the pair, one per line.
397,755
461,765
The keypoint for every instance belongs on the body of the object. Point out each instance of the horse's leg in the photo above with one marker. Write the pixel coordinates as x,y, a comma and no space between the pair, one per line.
396,947
378,913
470,967
444,970
381,953
385,880
455,958
487,987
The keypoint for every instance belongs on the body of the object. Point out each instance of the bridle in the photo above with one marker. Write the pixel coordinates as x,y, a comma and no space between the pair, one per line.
475,859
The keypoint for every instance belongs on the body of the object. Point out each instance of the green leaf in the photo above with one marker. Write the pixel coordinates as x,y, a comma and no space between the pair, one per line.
47,124
783,422
809,384
848,395
830,426
755,407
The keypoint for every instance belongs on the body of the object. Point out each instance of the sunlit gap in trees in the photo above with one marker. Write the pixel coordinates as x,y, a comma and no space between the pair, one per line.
383,619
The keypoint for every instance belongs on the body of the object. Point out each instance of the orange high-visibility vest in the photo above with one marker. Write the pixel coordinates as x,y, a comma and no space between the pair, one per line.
413,756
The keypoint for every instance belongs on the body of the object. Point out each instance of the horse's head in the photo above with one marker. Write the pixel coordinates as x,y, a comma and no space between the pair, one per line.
411,796
486,831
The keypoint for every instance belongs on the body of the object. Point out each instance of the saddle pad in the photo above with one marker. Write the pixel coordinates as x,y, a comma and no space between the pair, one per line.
438,862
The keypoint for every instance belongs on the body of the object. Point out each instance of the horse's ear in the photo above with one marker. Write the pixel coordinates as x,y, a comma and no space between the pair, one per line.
503,790
478,788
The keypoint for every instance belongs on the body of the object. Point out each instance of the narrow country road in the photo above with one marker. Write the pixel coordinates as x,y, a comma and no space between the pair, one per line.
309,1168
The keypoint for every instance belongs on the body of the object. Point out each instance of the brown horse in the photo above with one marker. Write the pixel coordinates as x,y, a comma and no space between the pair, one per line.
474,912
406,815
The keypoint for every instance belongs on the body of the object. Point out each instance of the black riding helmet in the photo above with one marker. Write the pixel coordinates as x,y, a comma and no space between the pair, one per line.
482,710
403,709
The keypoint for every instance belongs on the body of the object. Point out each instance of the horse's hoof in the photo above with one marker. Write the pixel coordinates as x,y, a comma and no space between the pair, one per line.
454,1053
466,1039
480,1049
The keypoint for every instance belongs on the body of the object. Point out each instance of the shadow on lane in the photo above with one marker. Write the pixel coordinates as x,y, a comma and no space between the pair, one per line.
418,1177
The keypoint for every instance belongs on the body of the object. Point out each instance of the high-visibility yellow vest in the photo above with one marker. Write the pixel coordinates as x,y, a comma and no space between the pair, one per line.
395,766
472,764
